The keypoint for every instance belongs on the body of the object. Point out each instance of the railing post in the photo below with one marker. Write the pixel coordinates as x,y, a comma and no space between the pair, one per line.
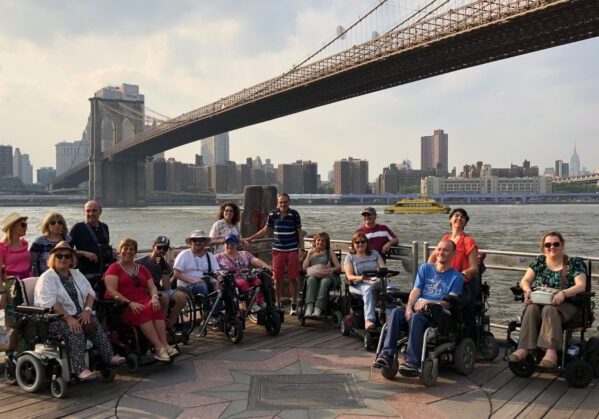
425,252
414,258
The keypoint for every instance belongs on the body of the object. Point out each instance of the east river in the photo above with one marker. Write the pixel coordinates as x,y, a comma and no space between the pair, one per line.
497,227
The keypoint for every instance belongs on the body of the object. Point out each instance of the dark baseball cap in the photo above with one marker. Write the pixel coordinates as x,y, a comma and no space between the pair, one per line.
231,238
369,211
163,241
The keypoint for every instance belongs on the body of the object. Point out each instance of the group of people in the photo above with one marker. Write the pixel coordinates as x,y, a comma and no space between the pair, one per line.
70,263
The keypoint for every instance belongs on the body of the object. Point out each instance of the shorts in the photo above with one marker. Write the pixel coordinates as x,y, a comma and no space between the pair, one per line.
285,262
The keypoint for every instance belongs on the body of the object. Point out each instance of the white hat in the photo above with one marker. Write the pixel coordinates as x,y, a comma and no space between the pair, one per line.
196,234
10,219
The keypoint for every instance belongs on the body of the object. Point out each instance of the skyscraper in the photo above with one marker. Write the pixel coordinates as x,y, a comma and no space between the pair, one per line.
351,176
574,163
434,152
21,167
215,150
5,161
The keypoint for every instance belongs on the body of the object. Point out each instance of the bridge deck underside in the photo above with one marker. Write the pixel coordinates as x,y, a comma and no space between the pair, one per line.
547,27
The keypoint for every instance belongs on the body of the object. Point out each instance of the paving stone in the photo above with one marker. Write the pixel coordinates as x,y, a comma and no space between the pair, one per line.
205,412
294,414
174,374
234,408
133,407
240,377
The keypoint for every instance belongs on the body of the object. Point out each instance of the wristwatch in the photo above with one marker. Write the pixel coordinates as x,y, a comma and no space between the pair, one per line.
87,309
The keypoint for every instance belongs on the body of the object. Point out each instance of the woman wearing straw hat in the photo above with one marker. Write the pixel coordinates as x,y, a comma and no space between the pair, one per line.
65,289
14,255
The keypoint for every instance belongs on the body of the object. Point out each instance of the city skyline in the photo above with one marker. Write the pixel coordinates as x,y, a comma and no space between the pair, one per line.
535,106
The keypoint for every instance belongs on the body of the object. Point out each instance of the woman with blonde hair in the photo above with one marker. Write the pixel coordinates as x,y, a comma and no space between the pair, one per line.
54,230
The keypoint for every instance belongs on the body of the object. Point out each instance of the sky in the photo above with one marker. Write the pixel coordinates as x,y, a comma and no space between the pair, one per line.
186,54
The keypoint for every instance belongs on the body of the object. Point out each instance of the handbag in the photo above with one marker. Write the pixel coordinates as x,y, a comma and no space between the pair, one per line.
544,295
318,271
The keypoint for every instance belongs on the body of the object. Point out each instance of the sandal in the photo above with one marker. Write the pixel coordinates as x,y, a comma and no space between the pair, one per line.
513,358
548,364
87,375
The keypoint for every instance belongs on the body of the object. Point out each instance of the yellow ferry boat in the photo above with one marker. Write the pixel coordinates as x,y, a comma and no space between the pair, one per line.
421,205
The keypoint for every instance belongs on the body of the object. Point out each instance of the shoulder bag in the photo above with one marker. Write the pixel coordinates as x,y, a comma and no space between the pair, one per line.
544,295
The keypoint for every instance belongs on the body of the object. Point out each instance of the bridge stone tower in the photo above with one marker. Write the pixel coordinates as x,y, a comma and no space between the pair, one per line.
116,115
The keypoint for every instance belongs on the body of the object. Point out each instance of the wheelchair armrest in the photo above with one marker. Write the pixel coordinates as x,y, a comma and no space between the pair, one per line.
518,292
453,300
32,310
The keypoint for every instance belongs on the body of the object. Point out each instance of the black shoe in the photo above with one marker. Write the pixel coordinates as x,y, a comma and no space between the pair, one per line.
408,370
384,360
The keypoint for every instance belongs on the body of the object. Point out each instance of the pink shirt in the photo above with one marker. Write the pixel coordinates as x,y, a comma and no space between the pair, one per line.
16,260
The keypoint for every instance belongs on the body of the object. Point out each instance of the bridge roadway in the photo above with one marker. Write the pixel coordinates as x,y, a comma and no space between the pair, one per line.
213,378
479,32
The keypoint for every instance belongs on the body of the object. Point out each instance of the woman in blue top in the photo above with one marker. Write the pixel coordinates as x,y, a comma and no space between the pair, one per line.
54,230
361,259
542,324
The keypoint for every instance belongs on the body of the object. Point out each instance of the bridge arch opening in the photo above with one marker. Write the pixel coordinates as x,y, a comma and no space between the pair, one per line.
127,129
107,133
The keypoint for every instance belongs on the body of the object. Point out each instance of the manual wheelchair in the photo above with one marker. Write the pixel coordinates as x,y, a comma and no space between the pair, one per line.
386,299
443,344
39,358
337,305
578,358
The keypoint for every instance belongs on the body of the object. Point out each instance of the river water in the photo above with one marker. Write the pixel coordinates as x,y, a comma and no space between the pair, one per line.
497,227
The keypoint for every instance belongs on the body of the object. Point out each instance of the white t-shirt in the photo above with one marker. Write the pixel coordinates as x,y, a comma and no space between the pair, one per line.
194,266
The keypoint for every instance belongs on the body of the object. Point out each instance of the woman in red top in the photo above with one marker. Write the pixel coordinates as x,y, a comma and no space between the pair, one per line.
14,255
466,262
132,284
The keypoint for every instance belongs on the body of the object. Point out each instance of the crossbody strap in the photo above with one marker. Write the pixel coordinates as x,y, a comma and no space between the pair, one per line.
564,272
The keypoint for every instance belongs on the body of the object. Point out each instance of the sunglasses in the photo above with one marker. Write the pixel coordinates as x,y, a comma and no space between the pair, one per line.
550,245
360,242
23,224
198,240
60,223
61,256
163,248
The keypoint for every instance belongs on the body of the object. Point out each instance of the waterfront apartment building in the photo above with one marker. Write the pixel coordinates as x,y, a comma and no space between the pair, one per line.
215,150
493,185
397,179
5,161
434,151
351,176
300,177
46,175
22,168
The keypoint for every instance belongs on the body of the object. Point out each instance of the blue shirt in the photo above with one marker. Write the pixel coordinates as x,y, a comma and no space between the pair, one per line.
285,229
434,285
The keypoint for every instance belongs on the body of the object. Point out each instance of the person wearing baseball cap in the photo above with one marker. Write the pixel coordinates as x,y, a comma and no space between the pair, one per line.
161,272
381,237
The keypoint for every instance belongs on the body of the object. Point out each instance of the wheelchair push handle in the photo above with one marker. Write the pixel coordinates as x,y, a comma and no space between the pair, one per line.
518,292
381,273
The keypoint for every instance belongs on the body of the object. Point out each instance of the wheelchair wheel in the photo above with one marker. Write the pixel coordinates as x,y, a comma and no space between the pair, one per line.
273,321
489,349
187,318
594,361
30,373
524,368
58,388
132,362
234,331
107,375
579,373
391,372
9,375
337,318
429,372
465,356
368,341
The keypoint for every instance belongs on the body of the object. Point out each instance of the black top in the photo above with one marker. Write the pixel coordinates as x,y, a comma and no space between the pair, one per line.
157,271
83,240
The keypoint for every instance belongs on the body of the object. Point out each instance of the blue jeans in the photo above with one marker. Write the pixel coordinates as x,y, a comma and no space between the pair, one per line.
198,288
367,292
395,324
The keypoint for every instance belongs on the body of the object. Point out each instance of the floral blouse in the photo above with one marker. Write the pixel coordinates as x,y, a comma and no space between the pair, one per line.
544,277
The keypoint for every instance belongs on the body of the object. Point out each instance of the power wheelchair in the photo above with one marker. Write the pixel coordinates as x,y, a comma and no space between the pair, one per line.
337,305
387,297
40,358
578,358
444,343
269,316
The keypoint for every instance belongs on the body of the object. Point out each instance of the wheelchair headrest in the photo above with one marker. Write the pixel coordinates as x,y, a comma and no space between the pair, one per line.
27,289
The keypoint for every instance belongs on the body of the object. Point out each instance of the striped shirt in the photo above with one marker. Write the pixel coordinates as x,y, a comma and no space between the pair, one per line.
285,227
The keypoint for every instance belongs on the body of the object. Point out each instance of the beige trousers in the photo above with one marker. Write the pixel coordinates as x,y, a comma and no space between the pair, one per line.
542,325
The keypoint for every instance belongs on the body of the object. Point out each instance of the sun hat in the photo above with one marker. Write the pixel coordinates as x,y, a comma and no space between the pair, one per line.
62,245
196,234
231,238
10,219
369,211
163,241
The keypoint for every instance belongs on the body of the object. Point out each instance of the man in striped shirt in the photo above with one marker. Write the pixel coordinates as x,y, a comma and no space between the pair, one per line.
287,247
380,236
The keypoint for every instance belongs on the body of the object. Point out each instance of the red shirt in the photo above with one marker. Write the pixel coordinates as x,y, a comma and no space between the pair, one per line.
464,246
378,236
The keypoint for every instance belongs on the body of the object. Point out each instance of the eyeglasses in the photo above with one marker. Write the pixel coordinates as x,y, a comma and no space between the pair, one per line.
283,202
54,222
23,224
360,242
550,245
61,256
197,240
163,248
228,210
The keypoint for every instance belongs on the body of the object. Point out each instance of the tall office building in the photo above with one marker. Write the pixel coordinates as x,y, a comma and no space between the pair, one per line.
300,177
21,167
351,176
574,163
215,150
46,175
434,152
71,154
5,161
561,169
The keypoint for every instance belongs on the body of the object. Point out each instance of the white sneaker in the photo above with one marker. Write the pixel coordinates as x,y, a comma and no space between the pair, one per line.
293,310
317,312
162,355
172,350
309,310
